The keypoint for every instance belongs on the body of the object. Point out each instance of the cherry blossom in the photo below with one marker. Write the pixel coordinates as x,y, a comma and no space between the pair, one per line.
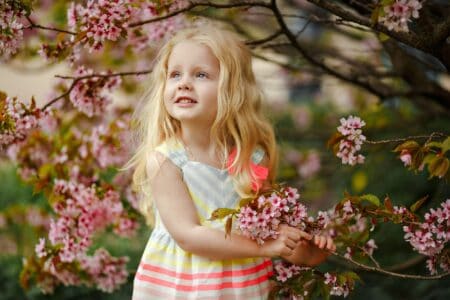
352,140
89,95
430,237
285,270
11,28
150,33
337,289
405,157
399,13
99,21
260,219
18,119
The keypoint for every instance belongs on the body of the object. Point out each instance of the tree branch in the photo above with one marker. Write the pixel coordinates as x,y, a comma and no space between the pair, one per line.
76,79
393,274
193,4
33,25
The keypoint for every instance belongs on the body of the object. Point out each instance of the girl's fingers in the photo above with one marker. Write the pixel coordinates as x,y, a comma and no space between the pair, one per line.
320,241
305,235
296,234
290,244
330,244
323,242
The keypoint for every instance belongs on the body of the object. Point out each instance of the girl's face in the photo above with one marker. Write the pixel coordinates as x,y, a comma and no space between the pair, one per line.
190,93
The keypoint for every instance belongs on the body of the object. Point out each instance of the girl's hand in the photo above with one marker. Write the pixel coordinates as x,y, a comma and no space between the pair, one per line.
285,243
324,242
312,253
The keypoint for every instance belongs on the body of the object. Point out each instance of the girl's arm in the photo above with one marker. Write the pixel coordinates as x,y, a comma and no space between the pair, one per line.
311,253
179,216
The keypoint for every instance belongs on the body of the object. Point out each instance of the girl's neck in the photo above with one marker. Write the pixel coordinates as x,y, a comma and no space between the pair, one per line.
199,146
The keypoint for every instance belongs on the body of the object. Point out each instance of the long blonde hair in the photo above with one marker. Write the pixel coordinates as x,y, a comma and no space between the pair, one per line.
239,122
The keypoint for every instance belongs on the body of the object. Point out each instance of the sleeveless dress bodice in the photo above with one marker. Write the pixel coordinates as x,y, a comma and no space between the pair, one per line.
168,272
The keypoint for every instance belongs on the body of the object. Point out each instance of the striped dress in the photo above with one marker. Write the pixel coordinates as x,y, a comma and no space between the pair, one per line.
168,272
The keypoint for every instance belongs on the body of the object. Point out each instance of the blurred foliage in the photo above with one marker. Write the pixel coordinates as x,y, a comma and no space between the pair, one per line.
18,241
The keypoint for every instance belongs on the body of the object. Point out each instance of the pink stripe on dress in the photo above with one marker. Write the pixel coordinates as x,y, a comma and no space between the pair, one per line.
190,276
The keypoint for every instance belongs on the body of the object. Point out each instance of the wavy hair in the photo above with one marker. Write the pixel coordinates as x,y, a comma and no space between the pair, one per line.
239,122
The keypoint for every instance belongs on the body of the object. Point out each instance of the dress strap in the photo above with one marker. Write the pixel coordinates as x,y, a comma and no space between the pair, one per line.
175,151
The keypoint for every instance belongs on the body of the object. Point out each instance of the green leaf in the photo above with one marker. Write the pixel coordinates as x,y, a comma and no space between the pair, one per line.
411,146
372,199
446,145
434,144
383,37
388,204
438,166
417,159
221,213
375,15
334,139
418,204
352,275
228,226
245,201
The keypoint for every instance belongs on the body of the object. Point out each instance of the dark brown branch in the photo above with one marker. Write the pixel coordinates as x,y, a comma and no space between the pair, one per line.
380,90
408,38
193,4
430,136
33,25
77,79
393,274
264,40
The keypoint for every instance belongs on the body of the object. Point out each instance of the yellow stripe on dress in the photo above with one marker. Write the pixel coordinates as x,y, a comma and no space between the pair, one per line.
188,260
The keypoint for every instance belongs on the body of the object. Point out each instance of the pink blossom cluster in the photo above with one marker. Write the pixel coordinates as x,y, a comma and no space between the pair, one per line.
11,29
100,20
352,140
337,288
405,157
106,271
108,147
17,120
259,220
89,95
150,33
431,236
398,14
285,270
82,213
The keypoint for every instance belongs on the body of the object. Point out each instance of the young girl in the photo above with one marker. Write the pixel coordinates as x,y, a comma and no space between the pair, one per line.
204,104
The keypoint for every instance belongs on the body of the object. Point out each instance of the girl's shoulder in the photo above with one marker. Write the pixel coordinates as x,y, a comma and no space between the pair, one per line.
173,150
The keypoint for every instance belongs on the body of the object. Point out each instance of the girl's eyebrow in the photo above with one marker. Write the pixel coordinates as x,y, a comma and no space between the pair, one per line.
199,66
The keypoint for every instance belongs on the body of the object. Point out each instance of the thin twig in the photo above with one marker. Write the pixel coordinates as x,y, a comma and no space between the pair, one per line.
76,79
33,25
264,40
193,4
390,273
429,137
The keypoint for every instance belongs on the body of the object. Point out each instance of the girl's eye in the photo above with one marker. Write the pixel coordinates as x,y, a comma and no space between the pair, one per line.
174,74
202,75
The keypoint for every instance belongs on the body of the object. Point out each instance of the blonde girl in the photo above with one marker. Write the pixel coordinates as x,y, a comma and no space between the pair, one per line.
203,105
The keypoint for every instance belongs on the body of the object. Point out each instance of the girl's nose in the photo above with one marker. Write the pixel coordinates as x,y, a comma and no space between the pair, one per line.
184,84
